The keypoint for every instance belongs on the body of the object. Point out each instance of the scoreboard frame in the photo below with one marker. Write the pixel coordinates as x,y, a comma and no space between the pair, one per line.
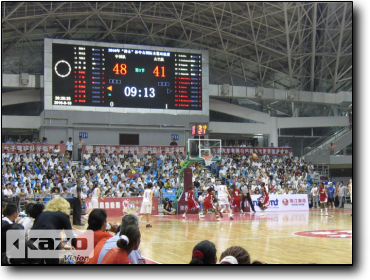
49,67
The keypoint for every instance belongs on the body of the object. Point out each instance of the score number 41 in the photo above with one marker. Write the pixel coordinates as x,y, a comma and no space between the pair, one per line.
121,69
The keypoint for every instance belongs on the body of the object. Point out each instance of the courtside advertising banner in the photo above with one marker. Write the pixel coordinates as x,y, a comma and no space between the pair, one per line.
119,206
284,202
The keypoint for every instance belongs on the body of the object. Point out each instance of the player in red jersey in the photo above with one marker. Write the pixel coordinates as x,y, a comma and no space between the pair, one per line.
323,198
191,202
236,202
264,199
208,202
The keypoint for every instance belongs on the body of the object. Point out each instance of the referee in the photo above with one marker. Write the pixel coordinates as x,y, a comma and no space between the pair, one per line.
246,191
77,203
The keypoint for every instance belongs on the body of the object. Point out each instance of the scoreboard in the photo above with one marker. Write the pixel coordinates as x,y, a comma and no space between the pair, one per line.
199,129
124,77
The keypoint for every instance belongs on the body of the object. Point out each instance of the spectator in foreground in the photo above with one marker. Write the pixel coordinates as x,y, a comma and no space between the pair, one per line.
235,255
56,218
10,214
135,255
33,211
204,253
128,240
97,222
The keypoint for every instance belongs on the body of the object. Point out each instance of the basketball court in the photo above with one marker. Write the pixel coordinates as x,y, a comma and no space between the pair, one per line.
294,237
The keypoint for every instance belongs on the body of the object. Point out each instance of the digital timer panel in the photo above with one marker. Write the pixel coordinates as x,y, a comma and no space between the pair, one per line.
199,129
127,78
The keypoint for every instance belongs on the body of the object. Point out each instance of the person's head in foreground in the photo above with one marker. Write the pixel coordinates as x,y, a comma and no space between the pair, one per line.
235,255
204,253
58,204
97,220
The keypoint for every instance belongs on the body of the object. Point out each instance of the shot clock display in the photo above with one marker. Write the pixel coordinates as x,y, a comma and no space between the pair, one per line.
199,129
122,77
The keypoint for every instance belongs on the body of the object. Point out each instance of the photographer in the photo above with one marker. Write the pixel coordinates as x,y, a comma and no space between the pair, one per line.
168,207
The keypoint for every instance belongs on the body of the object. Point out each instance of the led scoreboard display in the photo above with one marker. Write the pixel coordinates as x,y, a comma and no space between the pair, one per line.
199,129
122,77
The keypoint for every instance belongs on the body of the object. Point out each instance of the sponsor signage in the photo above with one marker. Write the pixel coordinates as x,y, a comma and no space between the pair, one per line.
284,202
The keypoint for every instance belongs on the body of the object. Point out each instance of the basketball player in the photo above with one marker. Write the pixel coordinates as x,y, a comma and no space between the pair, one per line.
208,202
223,200
191,202
323,197
95,195
246,194
236,197
146,206
264,198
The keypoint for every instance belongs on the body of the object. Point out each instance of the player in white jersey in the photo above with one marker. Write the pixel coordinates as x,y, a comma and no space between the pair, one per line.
146,206
223,200
94,195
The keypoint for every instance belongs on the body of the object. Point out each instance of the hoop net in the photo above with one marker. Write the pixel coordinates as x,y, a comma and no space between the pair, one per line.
207,160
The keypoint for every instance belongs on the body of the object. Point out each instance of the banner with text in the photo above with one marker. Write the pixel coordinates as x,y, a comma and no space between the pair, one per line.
32,148
119,206
141,150
284,202
250,150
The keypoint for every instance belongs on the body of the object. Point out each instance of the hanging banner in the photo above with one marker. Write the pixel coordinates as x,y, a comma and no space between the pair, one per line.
250,150
119,206
141,150
32,148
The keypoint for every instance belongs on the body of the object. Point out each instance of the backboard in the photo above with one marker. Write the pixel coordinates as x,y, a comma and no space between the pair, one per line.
197,148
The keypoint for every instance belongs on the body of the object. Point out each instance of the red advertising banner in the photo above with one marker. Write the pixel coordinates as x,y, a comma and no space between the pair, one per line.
32,148
119,206
141,150
250,150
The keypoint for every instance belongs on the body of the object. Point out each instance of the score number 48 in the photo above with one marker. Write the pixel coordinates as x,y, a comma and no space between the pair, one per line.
121,69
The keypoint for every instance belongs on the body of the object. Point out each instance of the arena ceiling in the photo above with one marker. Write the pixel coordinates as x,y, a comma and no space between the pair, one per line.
298,45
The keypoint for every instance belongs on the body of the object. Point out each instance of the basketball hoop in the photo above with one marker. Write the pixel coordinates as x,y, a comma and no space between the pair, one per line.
207,160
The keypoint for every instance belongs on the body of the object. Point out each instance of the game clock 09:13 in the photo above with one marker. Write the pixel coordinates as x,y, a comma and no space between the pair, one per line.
120,77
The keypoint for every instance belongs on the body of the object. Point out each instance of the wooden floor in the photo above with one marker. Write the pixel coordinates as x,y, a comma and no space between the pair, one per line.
269,239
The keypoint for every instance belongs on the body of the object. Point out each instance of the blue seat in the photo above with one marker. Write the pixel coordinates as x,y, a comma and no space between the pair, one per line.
132,181
156,194
172,197
164,190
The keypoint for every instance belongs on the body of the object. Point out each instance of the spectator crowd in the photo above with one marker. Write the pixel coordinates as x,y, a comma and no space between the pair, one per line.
42,176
